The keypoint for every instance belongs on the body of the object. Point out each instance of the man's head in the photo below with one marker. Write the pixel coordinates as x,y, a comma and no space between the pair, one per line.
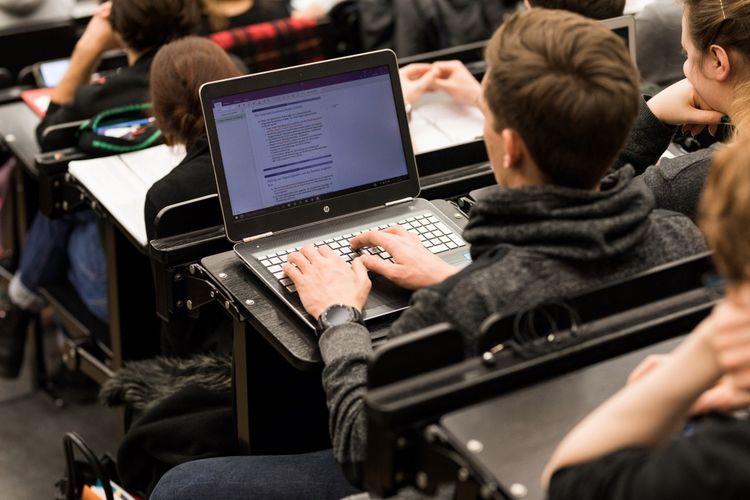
149,24
595,9
560,92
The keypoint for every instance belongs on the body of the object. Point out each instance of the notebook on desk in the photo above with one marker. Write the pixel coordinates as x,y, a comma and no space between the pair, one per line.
317,154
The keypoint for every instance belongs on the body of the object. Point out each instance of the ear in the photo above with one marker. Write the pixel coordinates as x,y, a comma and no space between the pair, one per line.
718,63
513,148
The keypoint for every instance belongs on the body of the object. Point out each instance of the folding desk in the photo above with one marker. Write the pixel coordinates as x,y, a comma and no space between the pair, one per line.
270,341
512,437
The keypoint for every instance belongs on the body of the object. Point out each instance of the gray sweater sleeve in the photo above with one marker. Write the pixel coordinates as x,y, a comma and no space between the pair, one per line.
648,140
345,350
677,183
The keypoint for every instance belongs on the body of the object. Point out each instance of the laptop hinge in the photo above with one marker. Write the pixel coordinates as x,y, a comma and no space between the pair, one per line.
398,202
257,237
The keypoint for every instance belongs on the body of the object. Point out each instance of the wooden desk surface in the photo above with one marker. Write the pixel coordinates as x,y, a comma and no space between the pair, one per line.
520,430
17,129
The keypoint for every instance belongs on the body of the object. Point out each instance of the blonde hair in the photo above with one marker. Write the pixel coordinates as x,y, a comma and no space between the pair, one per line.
724,212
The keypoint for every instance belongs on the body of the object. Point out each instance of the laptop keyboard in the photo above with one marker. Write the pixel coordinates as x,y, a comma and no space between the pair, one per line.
434,235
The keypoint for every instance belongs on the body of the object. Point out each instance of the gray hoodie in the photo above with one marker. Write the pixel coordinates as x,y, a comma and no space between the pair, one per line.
529,245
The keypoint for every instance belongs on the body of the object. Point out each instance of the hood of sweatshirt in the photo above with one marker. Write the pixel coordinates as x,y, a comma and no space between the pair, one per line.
561,222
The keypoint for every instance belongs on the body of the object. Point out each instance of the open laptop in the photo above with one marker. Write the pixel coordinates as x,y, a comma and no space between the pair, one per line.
624,27
316,154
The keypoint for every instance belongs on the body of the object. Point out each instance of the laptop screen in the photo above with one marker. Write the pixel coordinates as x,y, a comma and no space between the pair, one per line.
309,141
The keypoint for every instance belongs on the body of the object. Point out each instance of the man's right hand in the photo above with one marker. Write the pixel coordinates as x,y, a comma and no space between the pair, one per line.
415,267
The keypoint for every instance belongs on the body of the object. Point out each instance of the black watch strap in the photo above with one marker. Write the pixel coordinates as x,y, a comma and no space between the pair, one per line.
338,314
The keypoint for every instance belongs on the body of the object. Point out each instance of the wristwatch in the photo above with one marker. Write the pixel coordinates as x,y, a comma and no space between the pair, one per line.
338,314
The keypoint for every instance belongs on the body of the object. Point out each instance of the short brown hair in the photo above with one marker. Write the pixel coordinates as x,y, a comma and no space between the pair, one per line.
178,71
724,213
567,85
149,24
595,9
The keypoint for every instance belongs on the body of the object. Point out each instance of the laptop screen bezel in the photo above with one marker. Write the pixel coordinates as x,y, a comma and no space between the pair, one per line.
626,21
363,199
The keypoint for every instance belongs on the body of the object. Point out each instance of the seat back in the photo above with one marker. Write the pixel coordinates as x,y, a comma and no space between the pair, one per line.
25,44
277,44
188,216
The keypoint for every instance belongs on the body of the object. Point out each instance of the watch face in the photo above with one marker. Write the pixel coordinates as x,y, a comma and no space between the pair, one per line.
338,316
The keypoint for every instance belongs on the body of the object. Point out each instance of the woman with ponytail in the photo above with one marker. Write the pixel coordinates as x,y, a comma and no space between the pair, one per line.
715,92
178,71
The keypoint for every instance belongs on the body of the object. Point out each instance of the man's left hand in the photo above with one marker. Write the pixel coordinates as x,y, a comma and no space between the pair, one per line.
323,279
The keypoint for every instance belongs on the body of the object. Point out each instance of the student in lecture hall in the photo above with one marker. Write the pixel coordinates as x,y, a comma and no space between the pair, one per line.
627,449
453,78
138,26
548,229
715,91
180,68
70,247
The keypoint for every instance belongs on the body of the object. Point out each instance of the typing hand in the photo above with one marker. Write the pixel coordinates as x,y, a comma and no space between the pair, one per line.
416,79
323,279
415,267
679,104
99,36
456,80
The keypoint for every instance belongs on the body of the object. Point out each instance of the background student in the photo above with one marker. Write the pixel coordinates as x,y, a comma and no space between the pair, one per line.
716,42
70,247
453,78
625,449
180,68
138,26
548,229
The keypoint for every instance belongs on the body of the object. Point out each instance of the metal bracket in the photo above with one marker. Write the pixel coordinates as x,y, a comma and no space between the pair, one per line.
196,289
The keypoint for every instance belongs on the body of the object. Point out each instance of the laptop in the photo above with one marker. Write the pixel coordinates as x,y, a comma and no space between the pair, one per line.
624,27
314,155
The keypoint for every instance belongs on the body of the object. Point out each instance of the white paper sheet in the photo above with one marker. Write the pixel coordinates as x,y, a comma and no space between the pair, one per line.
120,183
438,122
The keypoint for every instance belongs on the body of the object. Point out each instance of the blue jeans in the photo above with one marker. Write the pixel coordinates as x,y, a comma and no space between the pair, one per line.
310,476
67,247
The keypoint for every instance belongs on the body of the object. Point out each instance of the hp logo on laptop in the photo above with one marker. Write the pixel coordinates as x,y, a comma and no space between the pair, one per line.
326,209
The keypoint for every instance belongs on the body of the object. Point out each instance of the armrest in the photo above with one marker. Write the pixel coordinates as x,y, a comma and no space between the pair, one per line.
176,289
405,356
62,135
56,195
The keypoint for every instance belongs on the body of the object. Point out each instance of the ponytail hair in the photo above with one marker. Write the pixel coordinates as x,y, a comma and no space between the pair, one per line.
177,73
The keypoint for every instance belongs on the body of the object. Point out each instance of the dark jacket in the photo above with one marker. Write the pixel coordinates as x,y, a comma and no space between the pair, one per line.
711,462
677,183
529,245
192,178
129,85
262,11
416,26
